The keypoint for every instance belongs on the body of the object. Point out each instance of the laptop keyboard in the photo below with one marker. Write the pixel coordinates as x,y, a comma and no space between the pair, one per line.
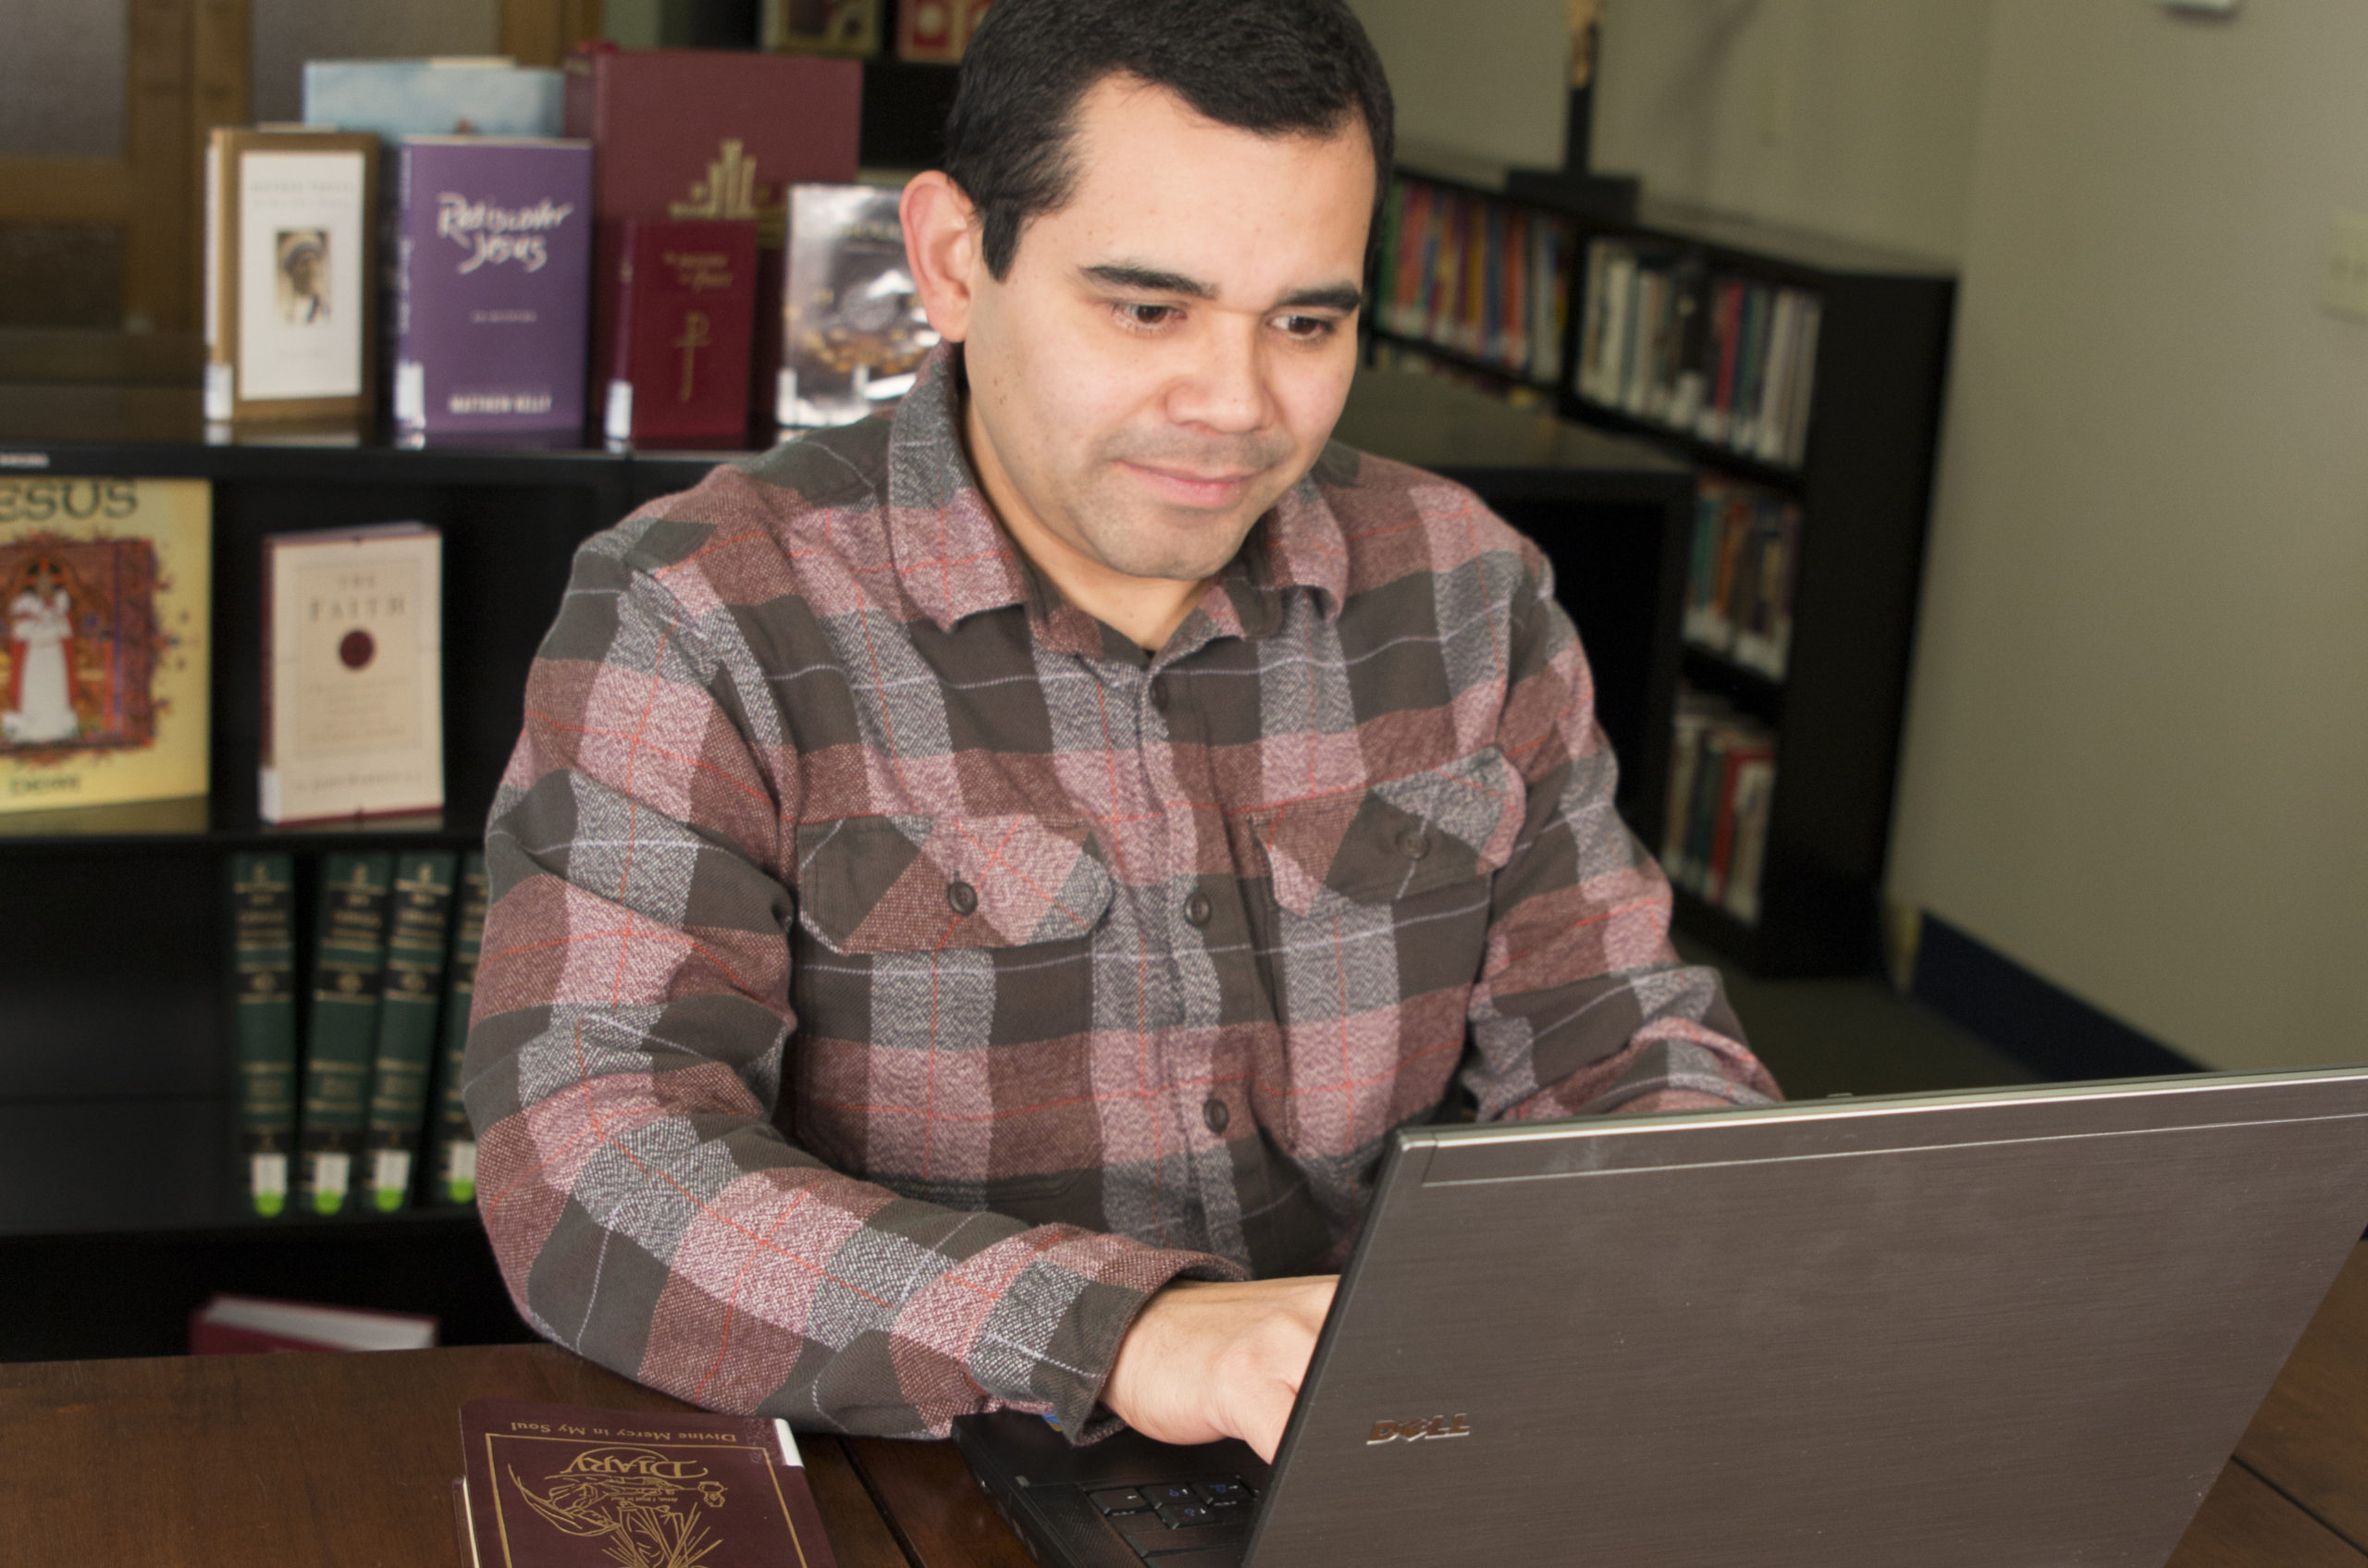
1161,1517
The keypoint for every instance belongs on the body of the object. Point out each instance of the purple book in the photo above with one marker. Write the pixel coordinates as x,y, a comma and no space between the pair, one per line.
493,285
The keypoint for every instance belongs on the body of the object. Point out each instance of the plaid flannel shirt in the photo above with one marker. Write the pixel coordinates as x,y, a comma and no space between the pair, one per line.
895,975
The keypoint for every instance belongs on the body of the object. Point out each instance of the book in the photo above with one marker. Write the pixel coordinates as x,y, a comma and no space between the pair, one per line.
454,1173
349,963
686,290
291,302
493,284
263,926
353,720
1739,581
106,595
1722,786
854,330
227,1324
710,134
410,997
558,1486
833,27
466,96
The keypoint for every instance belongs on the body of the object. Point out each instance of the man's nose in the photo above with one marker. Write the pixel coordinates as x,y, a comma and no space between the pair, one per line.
1227,390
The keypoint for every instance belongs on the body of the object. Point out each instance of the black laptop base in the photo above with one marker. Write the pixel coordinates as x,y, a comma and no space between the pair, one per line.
1123,1502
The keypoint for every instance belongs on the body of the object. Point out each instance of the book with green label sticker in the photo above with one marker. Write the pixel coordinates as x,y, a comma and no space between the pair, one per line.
348,969
409,999
262,920
455,1174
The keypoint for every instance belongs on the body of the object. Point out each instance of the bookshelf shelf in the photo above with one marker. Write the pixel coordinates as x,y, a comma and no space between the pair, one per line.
1862,489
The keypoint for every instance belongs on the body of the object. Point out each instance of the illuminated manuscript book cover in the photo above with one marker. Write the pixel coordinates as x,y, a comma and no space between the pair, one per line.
104,587
854,331
408,1004
353,720
711,134
291,274
685,293
493,278
557,1486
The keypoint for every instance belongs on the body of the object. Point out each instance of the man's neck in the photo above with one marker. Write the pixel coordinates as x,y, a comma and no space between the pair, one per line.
1146,611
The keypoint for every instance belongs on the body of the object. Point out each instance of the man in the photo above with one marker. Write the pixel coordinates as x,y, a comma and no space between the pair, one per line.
1159,805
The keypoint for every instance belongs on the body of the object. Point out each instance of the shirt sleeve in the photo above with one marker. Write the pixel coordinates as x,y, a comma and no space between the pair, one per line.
1582,1005
626,1062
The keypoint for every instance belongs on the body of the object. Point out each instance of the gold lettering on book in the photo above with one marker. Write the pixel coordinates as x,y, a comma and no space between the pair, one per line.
730,190
696,335
641,1506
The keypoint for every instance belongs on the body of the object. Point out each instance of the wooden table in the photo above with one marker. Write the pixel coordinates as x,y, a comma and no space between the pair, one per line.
345,1462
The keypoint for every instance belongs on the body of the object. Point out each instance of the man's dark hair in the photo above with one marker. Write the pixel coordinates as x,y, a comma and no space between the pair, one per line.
1277,68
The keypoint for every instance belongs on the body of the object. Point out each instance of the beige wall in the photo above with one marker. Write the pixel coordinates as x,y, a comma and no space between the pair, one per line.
1853,118
2138,758
1483,77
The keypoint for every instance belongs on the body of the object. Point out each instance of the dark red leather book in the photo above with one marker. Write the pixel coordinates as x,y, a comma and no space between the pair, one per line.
710,134
561,1486
685,298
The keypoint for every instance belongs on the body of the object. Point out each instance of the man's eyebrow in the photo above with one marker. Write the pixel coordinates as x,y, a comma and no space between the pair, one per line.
1342,297
1150,281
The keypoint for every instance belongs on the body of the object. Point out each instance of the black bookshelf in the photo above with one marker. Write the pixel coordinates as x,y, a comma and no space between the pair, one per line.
1864,487
117,1102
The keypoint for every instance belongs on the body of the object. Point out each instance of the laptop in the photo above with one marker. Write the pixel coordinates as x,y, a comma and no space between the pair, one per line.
1992,1329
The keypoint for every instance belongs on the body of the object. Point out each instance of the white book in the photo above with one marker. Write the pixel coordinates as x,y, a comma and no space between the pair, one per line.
289,274
353,671
1797,407
1620,290
1776,378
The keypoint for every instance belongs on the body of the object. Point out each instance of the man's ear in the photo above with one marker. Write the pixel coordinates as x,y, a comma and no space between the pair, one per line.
942,246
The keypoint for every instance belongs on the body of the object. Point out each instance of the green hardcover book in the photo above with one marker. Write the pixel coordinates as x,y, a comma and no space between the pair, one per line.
456,1143
346,971
262,921
408,1002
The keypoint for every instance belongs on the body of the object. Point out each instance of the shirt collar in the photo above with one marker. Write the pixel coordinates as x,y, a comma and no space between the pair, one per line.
955,560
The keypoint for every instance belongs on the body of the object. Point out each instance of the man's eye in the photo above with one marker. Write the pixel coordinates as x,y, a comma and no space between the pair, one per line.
1309,329
1147,315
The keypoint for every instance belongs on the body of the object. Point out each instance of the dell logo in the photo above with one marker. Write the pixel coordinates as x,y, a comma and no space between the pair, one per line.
1415,1431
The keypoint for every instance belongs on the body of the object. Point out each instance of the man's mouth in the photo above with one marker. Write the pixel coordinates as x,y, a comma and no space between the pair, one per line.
1195,487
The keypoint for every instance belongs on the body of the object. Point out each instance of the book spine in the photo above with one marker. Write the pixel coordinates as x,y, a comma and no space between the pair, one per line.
410,998
455,1177
348,969
263,917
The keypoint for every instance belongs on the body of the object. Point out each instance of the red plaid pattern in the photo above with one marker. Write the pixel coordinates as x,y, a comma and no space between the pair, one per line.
895,975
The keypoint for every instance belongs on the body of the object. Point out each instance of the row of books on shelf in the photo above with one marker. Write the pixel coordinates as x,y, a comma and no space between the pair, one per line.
671,242
104,668
926,30
349,1088
1722,778
1728,360
1414,360
1739,585
1487,278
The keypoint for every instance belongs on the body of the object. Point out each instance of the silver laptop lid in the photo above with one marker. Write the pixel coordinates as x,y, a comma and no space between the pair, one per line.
1994,1329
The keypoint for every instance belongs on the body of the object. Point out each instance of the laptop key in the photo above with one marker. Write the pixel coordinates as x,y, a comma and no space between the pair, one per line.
1160,1492
1229,1492
1185,1514
1120,1499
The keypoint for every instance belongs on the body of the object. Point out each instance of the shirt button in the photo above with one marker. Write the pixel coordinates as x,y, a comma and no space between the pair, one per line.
1197,909
1159,692
961,897
1213,1111
1414,842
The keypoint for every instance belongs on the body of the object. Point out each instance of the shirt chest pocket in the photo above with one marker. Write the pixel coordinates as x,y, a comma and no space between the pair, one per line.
926,884
1393,841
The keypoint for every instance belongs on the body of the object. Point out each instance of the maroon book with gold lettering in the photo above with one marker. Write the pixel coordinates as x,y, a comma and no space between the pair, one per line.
685,299
563,1486
710,134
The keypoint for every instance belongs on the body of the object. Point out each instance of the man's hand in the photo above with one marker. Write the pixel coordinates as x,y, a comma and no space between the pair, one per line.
1207,1360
